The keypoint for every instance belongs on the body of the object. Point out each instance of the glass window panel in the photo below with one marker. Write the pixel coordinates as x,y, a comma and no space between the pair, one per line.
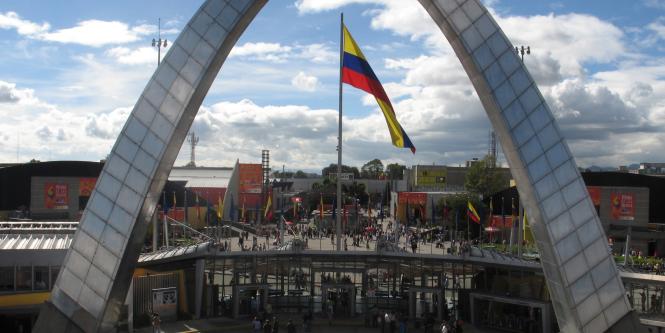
459,20
128,199
617,310
215,35
554,205
202,53
575,268
597,251
188,40
162,127
181,90
54,274
201,22
565,173
113,241
530,99
176,56
582,288
239,5
520,80
446,5
93,225
165,75
582,212
144,162
171,108
7,278
213,8
498,44
538,168
531,150
603,272
589,309
23,278
144,111
574,192
588,232
228,17
523,132
548,136
557,155
505,95
105,260
540,117
135,130
121,220
472,38
41,278
109,186
546,186
494,75
155,93
100,205
485,26
125,149
568,247
483,56
609,293
137,180
514,114
153,145
509,62
192,71
561,227
472,10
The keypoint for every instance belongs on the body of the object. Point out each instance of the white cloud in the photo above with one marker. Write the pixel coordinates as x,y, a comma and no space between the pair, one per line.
96,33
278,53
11,20
274,52
655,3
305,82
136,56
93,33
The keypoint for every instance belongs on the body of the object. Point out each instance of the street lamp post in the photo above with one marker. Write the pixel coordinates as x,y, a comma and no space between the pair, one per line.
521,51
159,43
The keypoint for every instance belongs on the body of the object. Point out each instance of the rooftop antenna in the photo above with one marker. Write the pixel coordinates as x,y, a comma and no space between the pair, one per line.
193,141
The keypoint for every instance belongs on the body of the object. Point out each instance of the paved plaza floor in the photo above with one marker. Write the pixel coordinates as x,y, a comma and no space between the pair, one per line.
318,326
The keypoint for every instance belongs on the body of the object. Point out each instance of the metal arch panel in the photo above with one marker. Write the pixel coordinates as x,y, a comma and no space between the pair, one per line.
583,281
582,278
96,273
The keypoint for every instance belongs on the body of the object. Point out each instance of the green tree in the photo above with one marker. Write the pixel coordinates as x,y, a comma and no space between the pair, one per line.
395,171
355,190
484,180
332,168
300,174
372,169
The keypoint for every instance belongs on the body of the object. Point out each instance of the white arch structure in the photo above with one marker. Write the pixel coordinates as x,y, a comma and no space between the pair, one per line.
585,288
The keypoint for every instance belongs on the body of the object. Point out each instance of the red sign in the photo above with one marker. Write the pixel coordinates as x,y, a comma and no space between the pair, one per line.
251,178
622,206
86,185
412,198
594,193
499,222
56,196
296,199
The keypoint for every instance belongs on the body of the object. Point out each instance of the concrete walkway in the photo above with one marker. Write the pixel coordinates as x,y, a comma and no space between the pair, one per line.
318,326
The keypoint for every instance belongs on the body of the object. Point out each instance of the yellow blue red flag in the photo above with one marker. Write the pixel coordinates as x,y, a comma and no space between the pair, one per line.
471,212
357,72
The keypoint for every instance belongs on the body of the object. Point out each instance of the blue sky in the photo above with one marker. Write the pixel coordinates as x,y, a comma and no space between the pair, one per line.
71,73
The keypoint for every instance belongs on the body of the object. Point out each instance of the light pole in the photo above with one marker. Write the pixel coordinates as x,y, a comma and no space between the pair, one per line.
522,50
159,43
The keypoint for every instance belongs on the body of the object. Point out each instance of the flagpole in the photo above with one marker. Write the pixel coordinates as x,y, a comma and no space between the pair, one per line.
338,222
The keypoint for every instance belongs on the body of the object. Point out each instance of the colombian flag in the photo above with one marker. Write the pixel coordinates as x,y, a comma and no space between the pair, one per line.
471,212
357,72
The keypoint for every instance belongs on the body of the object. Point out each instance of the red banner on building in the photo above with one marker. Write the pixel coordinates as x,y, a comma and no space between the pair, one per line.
412,198
56,196
622,206
594,193
251,178
499,222
86,185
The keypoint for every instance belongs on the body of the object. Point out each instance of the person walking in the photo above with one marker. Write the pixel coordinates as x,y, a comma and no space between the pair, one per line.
156,323
256,325
290,328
